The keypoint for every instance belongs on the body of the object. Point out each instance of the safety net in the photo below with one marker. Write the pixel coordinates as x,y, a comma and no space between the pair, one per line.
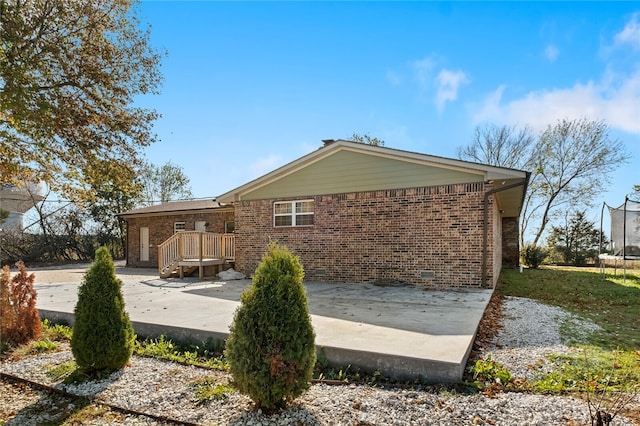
625,229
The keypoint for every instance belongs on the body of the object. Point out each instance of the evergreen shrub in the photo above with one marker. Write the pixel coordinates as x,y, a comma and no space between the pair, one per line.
271,346
103,336
533,256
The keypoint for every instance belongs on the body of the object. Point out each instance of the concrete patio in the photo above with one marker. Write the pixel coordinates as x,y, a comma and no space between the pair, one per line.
403,332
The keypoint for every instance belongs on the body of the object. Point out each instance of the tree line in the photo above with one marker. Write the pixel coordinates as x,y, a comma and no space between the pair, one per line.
64,230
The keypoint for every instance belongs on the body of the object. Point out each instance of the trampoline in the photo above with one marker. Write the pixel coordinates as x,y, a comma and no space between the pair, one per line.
625,236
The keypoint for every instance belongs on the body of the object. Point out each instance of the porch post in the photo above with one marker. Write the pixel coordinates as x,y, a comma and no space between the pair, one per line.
200,251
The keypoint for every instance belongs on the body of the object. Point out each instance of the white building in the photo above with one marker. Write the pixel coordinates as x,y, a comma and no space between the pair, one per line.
17,200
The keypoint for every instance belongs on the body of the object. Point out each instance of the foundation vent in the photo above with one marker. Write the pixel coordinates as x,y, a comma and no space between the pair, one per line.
427,275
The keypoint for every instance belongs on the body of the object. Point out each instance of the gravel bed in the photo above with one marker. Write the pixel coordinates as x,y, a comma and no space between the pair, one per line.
530,334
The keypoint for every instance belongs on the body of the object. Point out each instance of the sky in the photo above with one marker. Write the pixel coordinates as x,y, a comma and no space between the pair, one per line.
251,86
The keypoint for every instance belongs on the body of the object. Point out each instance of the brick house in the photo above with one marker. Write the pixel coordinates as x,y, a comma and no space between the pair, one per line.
148,227
362,213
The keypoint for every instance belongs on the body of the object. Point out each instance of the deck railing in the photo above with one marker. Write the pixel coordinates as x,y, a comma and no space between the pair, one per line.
194,245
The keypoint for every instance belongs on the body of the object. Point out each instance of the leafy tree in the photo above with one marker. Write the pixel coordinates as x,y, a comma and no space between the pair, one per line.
502,146
165,183
366,139
570,162
576,241
103,336
19,318
110,200
271,349
69,73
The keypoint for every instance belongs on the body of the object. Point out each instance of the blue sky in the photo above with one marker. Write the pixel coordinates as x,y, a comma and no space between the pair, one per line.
250,86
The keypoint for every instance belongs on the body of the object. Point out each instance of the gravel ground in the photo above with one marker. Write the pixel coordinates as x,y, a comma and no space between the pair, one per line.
530,333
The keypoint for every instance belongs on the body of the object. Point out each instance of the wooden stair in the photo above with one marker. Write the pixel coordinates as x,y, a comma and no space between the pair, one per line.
184,252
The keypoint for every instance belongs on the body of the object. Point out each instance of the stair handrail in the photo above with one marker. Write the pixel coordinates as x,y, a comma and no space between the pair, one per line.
168,252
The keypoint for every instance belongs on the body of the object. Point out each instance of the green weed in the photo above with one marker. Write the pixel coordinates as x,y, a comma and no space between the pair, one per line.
56,332
163,348
45,345
488,374
208,389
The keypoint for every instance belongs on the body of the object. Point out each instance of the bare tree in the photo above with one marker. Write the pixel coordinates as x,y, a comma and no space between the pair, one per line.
570,164
503,146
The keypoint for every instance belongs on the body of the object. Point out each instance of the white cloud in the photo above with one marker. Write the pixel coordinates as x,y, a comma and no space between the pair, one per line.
448,83
264,165
630,34
394,78
423,71
551,52
615,99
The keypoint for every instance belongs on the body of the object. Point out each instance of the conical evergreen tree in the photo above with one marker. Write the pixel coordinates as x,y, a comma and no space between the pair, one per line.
271,349
103,336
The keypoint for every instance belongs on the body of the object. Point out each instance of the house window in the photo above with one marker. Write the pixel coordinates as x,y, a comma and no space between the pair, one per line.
178,226
293,213
229,226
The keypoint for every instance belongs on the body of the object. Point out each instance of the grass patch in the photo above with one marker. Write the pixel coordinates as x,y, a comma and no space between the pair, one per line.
70,373
33,348
91,412
62,371
610,364
209,389
592,370
612,304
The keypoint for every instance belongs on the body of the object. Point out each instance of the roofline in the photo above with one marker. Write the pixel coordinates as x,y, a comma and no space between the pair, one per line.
174,212
490,172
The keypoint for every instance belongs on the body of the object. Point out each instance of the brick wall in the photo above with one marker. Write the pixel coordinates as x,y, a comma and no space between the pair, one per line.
384,236
161,228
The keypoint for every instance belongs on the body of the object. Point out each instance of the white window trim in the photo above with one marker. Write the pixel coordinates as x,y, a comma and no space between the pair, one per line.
293,213
175,227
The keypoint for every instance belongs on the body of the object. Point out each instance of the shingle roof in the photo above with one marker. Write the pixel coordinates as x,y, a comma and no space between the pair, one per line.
175,207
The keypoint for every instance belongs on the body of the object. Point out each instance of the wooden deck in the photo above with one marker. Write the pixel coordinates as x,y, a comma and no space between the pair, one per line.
197,263
194,249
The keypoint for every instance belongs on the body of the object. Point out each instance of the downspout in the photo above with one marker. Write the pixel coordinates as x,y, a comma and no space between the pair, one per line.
485,233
